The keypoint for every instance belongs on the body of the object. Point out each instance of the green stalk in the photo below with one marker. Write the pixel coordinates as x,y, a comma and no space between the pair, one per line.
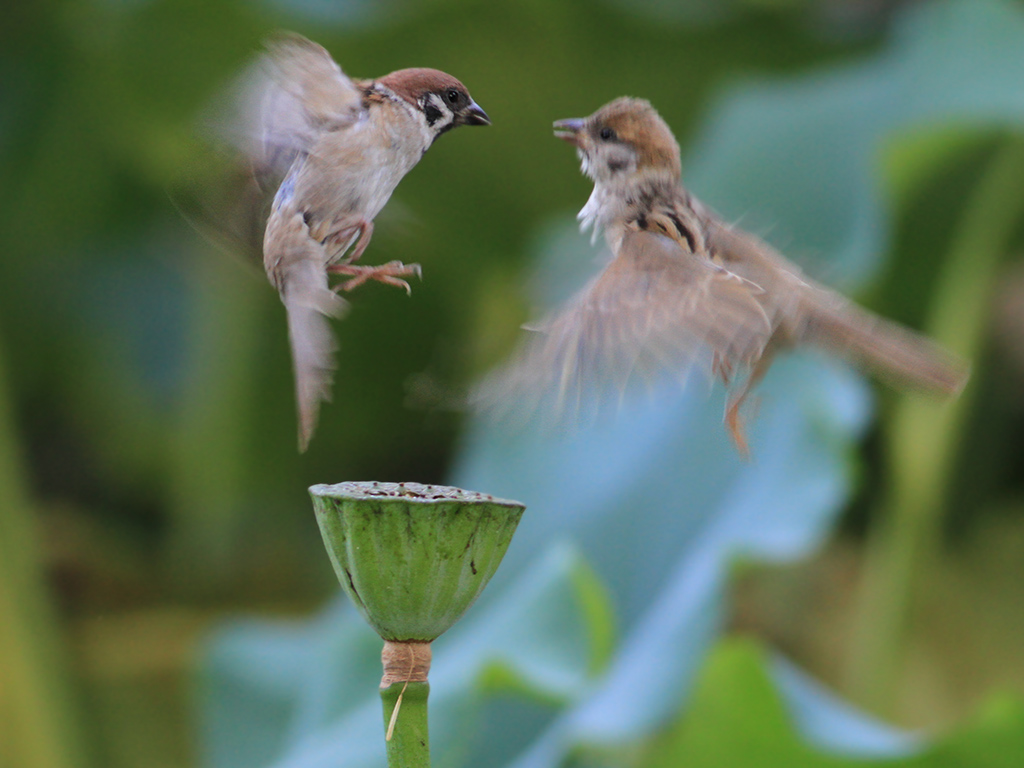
409,745
38,723
924,434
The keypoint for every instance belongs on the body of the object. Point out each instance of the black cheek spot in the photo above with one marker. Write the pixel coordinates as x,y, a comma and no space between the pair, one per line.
432,113
617,165
641,221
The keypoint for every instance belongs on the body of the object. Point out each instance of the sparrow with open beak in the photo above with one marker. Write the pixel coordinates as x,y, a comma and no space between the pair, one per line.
335,149
685,288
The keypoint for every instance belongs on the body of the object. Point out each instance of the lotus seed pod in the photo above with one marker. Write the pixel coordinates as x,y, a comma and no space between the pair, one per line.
413,557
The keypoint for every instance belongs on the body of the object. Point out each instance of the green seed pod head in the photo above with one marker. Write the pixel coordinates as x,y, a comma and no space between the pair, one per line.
413,557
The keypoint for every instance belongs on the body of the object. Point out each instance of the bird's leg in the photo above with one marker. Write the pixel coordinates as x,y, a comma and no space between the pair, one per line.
732,409
389,274
340,241
365,233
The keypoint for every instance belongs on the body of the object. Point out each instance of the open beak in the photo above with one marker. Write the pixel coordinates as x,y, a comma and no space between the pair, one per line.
473,115
569,130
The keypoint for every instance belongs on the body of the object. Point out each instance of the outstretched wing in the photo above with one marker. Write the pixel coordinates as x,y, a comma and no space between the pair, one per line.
812,314
657,309
254,130
292,94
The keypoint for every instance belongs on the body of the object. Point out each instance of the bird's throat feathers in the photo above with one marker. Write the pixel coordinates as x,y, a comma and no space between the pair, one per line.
614,202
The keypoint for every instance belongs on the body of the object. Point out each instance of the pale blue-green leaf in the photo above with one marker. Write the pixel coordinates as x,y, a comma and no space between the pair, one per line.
799,161
259,680
835,725
661,505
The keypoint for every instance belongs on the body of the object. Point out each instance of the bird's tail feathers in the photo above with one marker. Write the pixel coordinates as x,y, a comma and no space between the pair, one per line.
888,349
309,302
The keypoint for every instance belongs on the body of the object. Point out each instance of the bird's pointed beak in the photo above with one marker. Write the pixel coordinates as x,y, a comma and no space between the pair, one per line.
474,115
569,130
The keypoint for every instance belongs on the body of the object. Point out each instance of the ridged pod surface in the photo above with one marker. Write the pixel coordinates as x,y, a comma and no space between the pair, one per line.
413,557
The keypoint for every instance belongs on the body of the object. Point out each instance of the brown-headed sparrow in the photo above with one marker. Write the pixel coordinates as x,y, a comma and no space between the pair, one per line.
335,148
686,288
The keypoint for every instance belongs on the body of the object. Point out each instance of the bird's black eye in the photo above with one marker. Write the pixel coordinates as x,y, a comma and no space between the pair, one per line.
452,96
607,134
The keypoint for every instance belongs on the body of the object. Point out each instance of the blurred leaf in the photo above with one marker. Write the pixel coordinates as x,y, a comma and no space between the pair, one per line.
737,718
41,724
803,158
209,497
662,505
925,436
832,724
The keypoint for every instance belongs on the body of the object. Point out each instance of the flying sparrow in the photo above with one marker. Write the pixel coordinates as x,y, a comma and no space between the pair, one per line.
335,149
684,288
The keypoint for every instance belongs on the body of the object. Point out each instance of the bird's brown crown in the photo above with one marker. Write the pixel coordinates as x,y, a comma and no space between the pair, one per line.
411,84
637,123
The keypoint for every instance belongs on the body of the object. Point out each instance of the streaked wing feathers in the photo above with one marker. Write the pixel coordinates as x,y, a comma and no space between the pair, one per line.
274,111
809,313
656,310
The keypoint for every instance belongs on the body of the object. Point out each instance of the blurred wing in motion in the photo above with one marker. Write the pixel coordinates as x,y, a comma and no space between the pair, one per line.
812,314
220,197
255,129
288,98
656,309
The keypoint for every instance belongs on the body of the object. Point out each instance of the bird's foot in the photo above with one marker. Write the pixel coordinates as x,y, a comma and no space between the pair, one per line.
389,274
734,424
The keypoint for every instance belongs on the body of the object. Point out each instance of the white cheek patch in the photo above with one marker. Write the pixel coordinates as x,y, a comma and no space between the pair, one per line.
620,161
608,165
437,113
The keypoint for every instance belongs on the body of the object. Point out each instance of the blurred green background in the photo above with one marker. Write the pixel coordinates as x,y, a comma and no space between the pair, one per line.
149,485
